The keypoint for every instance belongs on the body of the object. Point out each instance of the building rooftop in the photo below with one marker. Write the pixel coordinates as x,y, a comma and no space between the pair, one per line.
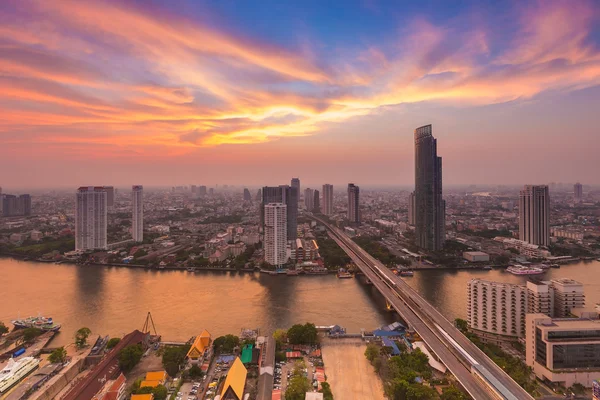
236,379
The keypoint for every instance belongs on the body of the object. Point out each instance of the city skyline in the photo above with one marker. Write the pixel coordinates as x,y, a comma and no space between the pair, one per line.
141,100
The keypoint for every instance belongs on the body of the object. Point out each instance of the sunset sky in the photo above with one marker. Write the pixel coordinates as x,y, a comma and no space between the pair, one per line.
255,92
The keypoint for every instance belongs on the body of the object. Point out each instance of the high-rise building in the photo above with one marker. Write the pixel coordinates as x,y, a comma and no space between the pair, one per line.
564,350
202,191
534,215
288,196
353,203
430,207
327,199
496,311
137,222
258,196
91,218
309,197
275,231
1,202
110,197
578,192
412,210
296,184
13,206
555,298
316,202
247,196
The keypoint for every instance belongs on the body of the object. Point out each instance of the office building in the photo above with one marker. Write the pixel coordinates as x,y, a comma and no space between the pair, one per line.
327,199
288,196
555,298
258,196
496,311
275,233
411,208
578,192
137,221
110,197
353,203
202,191
15,206
430,207
91,218
247,196
534,215
564,350
296,184
316,202
309,197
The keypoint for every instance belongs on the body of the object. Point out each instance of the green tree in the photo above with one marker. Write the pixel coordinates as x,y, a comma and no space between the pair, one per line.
326,390
112,342
58,356
195,372
280,336
81,337
29,334
226,344
303,334
461,324
160,392
3,328
145,390
130,356
140,253
173,357
453,393
372,352
297,387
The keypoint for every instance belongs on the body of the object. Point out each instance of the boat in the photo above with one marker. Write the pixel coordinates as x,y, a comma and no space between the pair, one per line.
343,274
191,269
16,370
486,267
316,271
406,273
292,272
521,270
43,323
555,265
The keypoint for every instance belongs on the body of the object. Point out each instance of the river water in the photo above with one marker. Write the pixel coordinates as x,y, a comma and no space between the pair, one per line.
114,301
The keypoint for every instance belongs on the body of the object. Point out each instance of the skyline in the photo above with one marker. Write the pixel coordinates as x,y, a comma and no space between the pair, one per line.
195,92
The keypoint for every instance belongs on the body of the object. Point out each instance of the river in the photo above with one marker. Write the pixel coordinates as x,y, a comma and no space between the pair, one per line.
115,300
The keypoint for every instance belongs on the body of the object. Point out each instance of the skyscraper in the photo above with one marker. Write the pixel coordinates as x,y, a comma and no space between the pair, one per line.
430,207
578,192
309,197
411,208
275,242
288,196
202,191
137,222
247,196
296,184
91,218
316,202
13,206
327,199
110,196
353,203
534,215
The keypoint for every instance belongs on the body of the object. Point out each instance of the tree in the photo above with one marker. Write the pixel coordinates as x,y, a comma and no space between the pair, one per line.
280,336
130,356
30,333
303,334
3,328
140,253
145,390
112,342
452,393
226,344
160,392
461,324
372,352
58,356
297,387
326,390
81,337
195,372
173,357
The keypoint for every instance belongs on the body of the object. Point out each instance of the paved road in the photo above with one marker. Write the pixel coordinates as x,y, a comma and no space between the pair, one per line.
424,318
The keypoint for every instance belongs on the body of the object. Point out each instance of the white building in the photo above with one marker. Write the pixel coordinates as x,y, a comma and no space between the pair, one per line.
110,197
327,199
496,311
275,242
91,218
524,248
476,256
137,222
534,215
555,298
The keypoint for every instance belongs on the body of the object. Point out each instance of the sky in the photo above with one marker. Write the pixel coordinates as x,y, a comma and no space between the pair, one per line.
255,92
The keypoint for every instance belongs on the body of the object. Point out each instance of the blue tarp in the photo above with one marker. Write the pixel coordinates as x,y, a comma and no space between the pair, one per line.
225,358
389,343
382,333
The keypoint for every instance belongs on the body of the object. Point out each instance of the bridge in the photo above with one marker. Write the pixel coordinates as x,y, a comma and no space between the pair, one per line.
476,372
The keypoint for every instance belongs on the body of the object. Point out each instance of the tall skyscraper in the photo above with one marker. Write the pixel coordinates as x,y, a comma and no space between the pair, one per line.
247,196
316,202
578,192
288,196
91,218
137,222
353,203
327,199
534,215
430,207
309,197
110,197
296,184
13,206
412,210
1,202
275,241
202,191
258,196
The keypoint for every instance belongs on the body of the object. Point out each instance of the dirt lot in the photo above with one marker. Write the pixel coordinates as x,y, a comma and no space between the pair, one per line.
348,371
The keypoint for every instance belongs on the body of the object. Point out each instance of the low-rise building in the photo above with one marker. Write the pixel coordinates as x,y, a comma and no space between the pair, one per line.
565,351
154,378
476,256
201,347
524,248
233,388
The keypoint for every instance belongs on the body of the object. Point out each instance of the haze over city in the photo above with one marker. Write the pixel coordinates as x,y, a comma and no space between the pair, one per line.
165,93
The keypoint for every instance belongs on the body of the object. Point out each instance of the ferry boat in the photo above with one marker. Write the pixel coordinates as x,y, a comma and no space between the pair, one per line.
521,270
316,271
343,274
555,265
15,371
45,324
406,273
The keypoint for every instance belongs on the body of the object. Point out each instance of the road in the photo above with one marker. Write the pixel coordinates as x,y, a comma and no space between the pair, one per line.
425,319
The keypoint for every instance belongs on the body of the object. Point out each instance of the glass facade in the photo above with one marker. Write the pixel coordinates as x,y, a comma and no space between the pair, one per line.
576,356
